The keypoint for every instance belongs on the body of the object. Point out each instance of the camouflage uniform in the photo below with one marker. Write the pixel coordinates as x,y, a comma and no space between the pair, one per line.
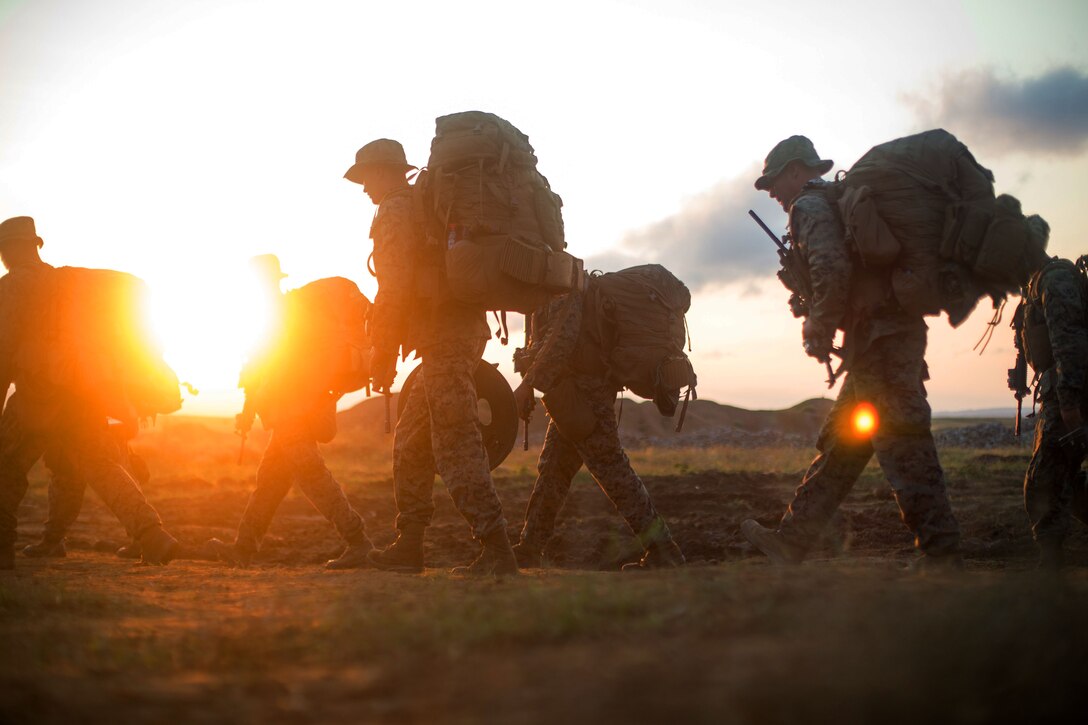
886,369
39,421
1055,301
601,451
439,429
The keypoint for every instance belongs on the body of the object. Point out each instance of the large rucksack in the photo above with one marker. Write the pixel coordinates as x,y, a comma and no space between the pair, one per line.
325,342
924,208
482,201
95,342
635,318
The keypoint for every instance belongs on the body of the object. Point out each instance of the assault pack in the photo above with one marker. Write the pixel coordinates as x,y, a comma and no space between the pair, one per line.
923,208
493,216
324,344
95,342
635,320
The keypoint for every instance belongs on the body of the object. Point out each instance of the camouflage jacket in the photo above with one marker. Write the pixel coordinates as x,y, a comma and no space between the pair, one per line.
21,308
405,316
1056,299
845,295
549,356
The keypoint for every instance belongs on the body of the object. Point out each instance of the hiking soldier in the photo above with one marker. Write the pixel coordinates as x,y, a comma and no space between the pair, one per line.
582,428
299,413
65,425
1051,325
884,359
439,429
66,492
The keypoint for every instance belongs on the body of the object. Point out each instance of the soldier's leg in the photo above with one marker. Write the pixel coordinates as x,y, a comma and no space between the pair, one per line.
1049,493
611,468
19,451
841,459
274,478
66,490
558,463
894,383
317,483
456,440
413,463
99,465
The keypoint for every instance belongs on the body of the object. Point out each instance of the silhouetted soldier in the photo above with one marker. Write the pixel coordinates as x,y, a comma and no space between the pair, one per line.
1052,321
439,429
42,419
548,362
886,370
299,414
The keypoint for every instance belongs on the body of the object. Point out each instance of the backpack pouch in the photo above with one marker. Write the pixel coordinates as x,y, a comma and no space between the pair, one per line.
567,406
875,242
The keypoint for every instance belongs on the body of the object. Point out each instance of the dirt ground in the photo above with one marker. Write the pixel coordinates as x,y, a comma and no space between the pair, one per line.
849,636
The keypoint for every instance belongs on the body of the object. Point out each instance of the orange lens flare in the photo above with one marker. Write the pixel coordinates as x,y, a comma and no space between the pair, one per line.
865,420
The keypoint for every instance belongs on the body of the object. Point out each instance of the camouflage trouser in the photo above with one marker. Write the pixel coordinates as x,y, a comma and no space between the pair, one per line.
291,458
66,489
603,455
1053,488
889,375
439,430
80,446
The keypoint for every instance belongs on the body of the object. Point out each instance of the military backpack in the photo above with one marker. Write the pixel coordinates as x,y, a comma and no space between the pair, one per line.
497,223
96,343
924,209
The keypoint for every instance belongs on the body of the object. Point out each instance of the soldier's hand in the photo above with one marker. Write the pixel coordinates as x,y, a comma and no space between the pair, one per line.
816,340
525,400
243,423
383,370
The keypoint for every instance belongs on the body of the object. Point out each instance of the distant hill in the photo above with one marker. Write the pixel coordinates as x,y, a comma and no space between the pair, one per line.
640,423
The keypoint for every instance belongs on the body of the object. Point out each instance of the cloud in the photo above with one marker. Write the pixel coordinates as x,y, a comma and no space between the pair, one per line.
710,241
1044,114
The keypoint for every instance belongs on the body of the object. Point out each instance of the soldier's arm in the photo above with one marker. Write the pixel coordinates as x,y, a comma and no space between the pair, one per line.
395,242
1063,307
814,224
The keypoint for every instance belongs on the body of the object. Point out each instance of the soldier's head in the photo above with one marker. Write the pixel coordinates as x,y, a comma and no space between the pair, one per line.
790,165
19,241
380,167
267,272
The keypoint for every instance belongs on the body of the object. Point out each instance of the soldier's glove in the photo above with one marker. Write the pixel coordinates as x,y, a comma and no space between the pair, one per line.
798,306
1075,443
525,400
243,423
816,341
383,370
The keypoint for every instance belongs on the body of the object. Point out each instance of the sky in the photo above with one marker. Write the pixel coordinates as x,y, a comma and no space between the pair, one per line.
175,140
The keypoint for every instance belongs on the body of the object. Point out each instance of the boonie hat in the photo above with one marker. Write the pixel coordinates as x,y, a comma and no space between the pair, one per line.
19,229
383,151
267,265
795,148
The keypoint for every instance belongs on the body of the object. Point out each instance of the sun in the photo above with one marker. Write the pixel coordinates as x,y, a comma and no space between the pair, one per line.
865,420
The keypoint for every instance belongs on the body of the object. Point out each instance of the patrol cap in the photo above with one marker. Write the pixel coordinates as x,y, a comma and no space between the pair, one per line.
795,148
383,151
19,229
267,265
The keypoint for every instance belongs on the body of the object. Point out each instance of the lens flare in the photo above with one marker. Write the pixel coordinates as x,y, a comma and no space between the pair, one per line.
865,420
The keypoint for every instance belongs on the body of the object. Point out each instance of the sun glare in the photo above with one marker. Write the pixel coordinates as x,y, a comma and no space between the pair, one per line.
865,419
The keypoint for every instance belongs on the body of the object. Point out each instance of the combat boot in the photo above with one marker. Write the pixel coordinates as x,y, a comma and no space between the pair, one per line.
405,555
45,548
527,555
497,558
771,543
131,550
158,547
232,554
354,557
660,555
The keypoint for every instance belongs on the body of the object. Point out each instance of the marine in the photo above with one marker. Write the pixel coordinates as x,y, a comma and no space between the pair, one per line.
42,420
299,415
885,369
1052,330
549,363
439,429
